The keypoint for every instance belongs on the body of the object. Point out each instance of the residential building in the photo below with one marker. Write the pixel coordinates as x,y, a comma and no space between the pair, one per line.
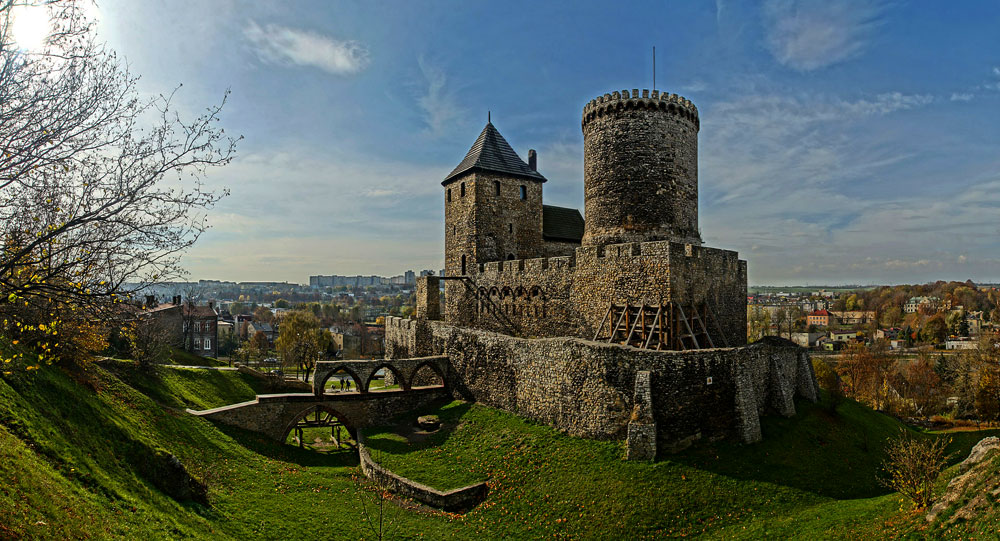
820,318
960,343
843,336
916,303
854,317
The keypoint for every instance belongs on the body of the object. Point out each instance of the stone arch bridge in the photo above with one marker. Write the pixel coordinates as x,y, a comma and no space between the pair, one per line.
276,415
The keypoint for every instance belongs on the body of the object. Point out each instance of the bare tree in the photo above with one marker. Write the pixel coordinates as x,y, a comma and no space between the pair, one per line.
913,465
149,342
100,189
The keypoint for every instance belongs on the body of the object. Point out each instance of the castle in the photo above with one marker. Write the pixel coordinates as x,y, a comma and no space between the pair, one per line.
623,325
537,270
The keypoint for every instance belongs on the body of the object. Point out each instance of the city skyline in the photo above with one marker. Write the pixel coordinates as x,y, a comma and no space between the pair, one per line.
840,143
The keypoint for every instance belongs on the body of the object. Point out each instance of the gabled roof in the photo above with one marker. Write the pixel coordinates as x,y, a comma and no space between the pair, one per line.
819,313
560,223
491,152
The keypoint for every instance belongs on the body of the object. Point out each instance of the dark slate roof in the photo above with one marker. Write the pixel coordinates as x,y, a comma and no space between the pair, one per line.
491,152
559,223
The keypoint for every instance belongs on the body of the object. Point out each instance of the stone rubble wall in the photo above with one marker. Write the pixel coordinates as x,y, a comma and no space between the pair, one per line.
570,296
459,499
587,389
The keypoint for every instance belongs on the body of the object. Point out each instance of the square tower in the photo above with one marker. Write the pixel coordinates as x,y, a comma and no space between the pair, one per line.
493,212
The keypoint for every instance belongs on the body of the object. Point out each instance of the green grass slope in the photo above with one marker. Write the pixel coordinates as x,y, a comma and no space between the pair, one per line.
82,456
813,476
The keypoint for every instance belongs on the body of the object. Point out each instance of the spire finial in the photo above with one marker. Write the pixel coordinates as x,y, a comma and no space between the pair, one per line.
488,121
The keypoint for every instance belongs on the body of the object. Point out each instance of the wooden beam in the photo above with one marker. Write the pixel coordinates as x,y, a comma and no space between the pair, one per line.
606,317
651,333
688,327
638,318
618,324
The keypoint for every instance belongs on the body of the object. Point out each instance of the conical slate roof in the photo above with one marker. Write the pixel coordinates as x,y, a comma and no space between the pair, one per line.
491,152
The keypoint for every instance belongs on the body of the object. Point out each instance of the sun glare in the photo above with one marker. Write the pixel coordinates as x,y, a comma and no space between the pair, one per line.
29,27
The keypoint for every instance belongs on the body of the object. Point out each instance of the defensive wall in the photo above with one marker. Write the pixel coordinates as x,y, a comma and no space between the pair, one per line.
589,389
570,295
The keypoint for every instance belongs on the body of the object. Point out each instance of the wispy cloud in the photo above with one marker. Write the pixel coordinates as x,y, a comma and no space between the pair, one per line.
956,96
283,45
437,98
812,185
811,34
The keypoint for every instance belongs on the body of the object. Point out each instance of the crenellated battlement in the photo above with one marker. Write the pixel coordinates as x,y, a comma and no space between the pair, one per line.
660,248
535,266
625,100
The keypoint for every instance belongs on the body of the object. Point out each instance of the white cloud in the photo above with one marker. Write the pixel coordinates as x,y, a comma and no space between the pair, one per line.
829,189
996,71
437,99
282,45
961,97
811,34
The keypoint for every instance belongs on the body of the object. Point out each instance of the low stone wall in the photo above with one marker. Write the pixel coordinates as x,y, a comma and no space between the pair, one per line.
588,389
459,499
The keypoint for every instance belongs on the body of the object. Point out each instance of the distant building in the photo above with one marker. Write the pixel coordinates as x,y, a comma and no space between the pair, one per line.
189,327
410,276
856,317
843,336
269,331
960,343
819,318
916,303
807,339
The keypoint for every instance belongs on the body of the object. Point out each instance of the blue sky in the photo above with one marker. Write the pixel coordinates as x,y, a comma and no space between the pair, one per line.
841,142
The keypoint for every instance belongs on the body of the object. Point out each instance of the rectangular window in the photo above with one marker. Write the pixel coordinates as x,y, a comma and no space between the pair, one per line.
461,190
197,326
496,187
449,194
524,193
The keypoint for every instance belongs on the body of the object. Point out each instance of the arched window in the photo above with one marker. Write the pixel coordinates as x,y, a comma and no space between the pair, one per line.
524,193
462,190
496,187
510,257
463,264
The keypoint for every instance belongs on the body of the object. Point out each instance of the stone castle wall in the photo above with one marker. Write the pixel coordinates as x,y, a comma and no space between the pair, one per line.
570,296
588,389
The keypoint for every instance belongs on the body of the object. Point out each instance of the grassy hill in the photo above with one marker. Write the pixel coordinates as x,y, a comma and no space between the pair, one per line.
86,453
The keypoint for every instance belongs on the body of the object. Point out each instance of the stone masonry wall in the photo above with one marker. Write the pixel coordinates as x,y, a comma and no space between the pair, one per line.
640,168
484,226
588,389
570,296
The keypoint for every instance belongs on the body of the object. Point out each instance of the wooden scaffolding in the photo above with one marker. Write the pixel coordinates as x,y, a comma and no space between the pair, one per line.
669,326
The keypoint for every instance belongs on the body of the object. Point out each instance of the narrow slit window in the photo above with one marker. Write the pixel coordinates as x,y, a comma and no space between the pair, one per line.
463,264
524,193
462,190
449,195
496,188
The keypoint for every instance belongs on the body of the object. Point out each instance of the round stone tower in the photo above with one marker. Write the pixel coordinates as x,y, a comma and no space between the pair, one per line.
640,168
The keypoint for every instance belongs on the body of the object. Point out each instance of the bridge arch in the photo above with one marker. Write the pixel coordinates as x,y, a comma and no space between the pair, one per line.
320,386
404,382
348,423
433,366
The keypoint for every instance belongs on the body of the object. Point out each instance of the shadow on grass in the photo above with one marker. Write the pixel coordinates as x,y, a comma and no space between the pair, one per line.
832,449
402,435
265,446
